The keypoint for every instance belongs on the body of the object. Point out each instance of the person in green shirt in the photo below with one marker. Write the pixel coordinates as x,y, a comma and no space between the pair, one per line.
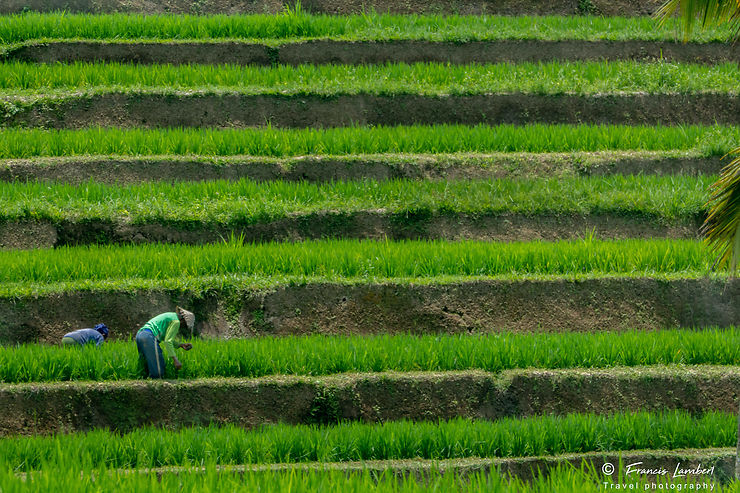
165,328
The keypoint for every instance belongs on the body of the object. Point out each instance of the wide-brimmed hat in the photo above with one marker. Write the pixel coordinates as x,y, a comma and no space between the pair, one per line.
188,317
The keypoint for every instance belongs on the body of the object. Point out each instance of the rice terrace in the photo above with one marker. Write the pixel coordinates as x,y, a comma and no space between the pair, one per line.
332,245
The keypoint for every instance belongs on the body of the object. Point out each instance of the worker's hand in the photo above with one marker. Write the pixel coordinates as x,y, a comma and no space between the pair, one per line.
178,365
187,346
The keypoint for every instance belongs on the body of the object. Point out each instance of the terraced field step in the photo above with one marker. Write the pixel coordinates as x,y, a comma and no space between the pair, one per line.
286,38
472,166
364,225
318,354
168,108
46,215
289,306
368,52
71,96
701,141
374,397
426,79
471,7
526,468
367,26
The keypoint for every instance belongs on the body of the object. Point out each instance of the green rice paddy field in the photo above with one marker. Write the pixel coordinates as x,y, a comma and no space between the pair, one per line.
371,26
244,201
346,259
423,79
420,139
546,435
326,355
105,460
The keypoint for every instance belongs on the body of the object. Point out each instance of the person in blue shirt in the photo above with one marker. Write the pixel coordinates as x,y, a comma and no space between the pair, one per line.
97,335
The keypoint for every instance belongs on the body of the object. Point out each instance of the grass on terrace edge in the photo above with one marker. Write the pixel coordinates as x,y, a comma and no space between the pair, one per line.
326,355
21,78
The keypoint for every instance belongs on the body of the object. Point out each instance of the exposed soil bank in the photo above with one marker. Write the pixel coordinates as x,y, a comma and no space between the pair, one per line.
131,170
391,308
526,468
367,52
344,224
368,397
344,7
238,110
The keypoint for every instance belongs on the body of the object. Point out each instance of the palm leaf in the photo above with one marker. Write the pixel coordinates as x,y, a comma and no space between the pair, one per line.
710,12
722,226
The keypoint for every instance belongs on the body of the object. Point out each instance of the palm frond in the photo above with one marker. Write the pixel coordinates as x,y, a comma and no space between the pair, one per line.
708,12
722,226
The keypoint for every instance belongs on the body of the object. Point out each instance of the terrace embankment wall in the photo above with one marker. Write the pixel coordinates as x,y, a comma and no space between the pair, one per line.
132,170
370,52
375,224
196,109
66,407
390,308
343,7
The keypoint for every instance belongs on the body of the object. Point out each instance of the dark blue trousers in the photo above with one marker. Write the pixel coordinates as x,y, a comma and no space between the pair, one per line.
150,354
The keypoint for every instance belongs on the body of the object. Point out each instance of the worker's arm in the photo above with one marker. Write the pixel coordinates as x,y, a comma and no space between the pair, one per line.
170,342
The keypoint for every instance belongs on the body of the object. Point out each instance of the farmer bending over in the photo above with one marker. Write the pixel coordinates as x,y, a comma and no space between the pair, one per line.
82,337
163,328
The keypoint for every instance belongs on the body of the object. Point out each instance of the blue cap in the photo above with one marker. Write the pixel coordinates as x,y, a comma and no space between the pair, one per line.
102,328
